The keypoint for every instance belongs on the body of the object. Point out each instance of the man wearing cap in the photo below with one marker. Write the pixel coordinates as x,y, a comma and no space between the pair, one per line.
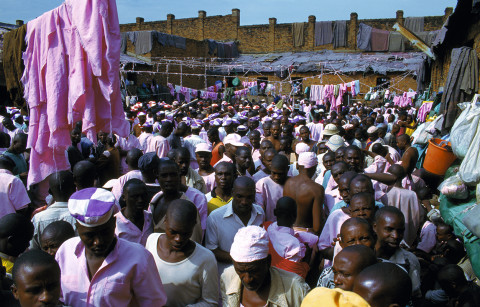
231,143
99,269
203,153
224,222
329,130
308,195
142,118
373,137
251,281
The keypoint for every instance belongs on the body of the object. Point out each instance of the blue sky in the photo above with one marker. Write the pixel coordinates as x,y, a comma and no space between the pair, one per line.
251,11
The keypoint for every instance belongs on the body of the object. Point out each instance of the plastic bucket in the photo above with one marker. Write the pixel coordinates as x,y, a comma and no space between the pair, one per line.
439,157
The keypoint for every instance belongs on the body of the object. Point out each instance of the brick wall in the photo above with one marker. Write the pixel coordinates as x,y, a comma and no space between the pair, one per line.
271,37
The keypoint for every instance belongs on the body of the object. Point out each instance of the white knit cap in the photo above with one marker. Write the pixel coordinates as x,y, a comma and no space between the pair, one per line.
250,244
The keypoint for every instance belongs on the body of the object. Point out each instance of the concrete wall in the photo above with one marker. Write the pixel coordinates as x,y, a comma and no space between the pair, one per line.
271,37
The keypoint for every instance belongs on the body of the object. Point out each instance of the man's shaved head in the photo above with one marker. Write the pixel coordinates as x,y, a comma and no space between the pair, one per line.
361,183
84,173
349,262
398,171
132,158
384,284
62,185
280,162
244,182
182,211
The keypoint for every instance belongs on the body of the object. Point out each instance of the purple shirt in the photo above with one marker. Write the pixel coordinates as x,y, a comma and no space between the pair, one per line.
127,277
127,230
200,201
13,195
117,189
268,193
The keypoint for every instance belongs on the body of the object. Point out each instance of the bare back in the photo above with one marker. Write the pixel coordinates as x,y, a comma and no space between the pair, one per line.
309,197
409,159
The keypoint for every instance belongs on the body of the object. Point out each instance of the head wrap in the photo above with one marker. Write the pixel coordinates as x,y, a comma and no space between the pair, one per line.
250,244
307,159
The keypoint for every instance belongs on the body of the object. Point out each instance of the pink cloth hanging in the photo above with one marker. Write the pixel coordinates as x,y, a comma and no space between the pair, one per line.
71,74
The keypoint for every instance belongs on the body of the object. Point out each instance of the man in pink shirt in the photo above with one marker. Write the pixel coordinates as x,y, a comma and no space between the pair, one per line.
134,222
13,195
100,269
159,143
270,189
133,156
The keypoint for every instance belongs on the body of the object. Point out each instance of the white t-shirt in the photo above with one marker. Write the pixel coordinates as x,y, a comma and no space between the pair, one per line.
190,281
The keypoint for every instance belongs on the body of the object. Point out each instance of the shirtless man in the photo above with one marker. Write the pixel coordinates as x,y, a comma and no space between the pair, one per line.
410,154
307,194
275,137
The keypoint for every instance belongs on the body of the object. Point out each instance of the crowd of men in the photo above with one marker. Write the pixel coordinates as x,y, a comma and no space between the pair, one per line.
232,204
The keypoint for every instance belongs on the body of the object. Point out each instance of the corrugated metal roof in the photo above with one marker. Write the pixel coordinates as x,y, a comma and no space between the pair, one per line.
381,63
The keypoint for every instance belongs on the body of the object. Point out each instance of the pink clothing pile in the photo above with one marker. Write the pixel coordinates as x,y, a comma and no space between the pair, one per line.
424,110
71,74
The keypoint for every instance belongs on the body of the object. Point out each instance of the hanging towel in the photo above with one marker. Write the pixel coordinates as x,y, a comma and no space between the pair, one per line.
461,84
414,24
323,33
212,46
180,42
232,46
143,42
396,42
13,47
379,40
363,37
132,36
340,33
220,50
297,32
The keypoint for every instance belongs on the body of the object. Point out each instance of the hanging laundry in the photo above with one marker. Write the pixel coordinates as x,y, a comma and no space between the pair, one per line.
396,42
414,24
424,110
212,46
180,42
340,33
379,40
298,29
323,33
75,84
143,42
363,36
13,47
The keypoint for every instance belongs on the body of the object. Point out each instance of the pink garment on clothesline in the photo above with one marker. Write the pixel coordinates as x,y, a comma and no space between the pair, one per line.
71,74
424,110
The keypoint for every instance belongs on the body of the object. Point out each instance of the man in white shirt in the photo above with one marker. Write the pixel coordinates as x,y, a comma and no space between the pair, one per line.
187,269
224,222
61,187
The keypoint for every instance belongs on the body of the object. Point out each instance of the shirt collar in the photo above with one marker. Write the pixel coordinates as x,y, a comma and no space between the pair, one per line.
229,210
59,204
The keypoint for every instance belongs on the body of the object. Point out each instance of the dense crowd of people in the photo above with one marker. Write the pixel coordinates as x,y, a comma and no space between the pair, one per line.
247,203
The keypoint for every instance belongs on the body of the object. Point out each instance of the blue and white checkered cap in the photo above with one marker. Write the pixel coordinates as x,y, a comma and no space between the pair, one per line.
92,207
